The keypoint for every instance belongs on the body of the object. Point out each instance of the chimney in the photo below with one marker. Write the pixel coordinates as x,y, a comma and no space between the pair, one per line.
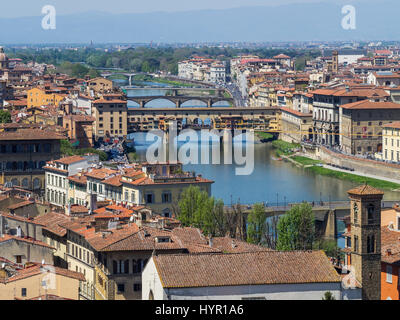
211,241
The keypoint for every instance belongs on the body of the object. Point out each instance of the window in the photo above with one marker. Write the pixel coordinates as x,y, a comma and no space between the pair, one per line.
371,211
355,211
371,244
18,259
121,288
355,244
149,198
137,287
23,292
166,197
388,274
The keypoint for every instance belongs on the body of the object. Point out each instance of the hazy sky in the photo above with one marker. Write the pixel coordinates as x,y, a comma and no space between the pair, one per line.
19,8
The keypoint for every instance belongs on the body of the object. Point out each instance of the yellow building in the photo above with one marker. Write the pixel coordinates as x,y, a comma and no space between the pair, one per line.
99,85
38,97
38,282
110,118
391,142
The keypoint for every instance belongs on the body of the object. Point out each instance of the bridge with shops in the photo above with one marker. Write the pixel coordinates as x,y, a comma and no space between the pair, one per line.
144,119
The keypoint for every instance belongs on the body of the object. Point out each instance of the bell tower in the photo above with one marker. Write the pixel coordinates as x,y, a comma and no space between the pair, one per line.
365,219
335,61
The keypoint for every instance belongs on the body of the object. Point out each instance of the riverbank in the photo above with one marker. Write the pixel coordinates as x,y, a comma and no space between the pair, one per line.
319,168
264,136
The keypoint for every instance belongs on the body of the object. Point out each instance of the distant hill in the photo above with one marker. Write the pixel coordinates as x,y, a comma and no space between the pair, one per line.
376,20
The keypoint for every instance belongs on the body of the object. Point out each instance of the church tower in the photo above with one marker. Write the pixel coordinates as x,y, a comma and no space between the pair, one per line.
335,61
4,63
365,219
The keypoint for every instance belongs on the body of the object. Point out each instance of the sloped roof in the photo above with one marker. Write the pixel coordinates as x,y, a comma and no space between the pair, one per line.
365,190
255,268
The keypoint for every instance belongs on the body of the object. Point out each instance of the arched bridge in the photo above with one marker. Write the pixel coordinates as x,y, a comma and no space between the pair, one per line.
179,100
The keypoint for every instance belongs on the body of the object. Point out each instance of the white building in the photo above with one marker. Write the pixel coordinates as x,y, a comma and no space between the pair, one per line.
266,275
57,173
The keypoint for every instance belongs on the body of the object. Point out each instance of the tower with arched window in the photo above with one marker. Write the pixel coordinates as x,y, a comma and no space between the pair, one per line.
365,220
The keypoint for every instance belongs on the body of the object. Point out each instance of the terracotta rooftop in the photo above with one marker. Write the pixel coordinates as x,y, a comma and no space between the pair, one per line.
38,269
51,222
7,237
296,113
366,104
255,268
70,160
30,134
393,125
365,190
390,242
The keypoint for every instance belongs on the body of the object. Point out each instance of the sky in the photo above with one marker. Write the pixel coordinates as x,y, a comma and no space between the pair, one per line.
22,8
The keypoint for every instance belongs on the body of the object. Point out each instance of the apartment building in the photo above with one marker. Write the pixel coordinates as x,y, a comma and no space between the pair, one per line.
24,152
296,126
361,126
57,173
110,119
326,106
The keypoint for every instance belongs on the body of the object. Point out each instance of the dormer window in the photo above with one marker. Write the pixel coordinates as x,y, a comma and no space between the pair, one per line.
163,239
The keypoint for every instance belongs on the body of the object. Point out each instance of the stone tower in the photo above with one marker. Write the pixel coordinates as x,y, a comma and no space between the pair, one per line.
365,219
335,61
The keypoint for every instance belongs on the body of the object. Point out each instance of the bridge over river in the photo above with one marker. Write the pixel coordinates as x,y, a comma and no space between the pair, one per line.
326,213
144,119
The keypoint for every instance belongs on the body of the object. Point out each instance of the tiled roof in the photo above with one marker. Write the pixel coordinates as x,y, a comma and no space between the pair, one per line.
255,268
30,134
390,243
366,104
52,221
296,113
144,240
7,237
37,269
394,125
20,205
365,190
70,160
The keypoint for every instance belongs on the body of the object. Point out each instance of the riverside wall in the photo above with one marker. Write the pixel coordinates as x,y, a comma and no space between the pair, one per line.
366,166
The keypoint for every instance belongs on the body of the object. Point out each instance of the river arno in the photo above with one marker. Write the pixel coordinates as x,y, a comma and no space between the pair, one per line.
271,180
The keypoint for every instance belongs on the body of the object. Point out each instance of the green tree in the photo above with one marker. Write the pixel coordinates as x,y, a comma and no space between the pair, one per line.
296,229
256,224
197,209
328,296
5,116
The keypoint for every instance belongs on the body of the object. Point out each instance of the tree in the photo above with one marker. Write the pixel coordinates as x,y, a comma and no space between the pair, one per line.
197,209
256,224
296,229
328,296
5,116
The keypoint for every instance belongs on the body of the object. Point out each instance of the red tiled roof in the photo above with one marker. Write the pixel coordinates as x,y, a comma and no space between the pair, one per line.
255,268
365,190
70,160
7,237
38,269
366,104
